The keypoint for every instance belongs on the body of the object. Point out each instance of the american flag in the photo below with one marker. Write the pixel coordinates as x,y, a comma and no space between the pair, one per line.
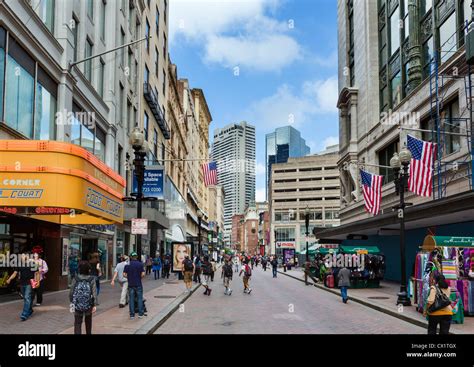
210,173
372,189
421,166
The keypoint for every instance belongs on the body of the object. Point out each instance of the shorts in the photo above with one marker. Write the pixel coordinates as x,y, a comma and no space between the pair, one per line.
188,276
227,282
246,281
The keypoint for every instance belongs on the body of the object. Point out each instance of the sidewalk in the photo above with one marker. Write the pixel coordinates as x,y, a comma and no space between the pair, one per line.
384,299
53,316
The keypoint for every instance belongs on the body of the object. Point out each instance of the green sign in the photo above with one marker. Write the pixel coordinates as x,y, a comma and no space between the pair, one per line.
449,241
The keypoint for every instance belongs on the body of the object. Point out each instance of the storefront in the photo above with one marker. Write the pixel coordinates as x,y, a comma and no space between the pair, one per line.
61,197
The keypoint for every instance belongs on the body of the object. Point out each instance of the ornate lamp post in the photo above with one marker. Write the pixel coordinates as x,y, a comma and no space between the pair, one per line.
306,220
400,164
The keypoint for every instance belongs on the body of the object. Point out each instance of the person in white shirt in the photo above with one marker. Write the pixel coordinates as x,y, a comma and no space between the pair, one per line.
122,281
236,264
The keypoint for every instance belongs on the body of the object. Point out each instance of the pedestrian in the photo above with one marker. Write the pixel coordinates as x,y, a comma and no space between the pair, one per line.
82,296
214,269
264,264
207,272
227,274
236,264
247,270
166,267
343,282
307,269
149,263
274,264
27,273
197,269
118,274
296,262
188,270
95,272
134,273
156,266
42,267
438,306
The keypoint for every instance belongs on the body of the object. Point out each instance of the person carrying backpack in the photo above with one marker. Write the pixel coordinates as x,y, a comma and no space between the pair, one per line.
156,266
83,296
197,270
247,270
188,270
274,264
227,273
166,267
207,272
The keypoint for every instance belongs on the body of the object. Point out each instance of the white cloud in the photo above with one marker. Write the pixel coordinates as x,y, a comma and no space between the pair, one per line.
320,145
260,194
286,107
235,32
330,140
260,169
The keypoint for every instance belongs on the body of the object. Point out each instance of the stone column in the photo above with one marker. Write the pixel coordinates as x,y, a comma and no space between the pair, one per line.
415,71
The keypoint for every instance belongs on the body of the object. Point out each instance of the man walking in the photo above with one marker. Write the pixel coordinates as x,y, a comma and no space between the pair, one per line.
274,264
166,267
307,266
207,272
246,269
122,280
188,270
344,281
26,270
134,272
227,274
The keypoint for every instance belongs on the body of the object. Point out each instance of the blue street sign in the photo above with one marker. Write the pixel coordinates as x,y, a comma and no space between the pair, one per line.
153,183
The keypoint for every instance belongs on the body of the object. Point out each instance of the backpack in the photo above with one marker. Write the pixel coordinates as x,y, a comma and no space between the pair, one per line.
188,265
228,272
166,263
207,268
248,271
82,294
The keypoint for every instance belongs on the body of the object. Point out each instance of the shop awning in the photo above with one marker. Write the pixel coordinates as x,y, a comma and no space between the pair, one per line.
58,182
431,242
360,249
317,249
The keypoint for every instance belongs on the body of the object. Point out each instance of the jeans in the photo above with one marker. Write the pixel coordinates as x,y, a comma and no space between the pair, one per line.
87,316
166,272
274,270
97,284
444,322
38,292
136,292
124,294
157,274
344,293
27,293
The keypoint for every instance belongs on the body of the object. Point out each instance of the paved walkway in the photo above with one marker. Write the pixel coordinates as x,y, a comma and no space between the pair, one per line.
53,316
384,299
278,306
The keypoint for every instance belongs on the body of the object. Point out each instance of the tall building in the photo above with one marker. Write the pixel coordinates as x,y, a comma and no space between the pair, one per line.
386,71
307,182
285,142
48,93
234,151
216,213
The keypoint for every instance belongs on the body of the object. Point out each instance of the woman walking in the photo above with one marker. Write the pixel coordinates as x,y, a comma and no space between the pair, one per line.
156,266
149,263
42,267
438,306
95,272
83,296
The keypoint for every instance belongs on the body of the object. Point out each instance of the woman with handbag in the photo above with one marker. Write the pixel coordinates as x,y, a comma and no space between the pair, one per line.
42,270
438,307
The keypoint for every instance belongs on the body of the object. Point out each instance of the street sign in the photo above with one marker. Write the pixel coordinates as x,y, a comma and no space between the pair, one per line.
153,182
139,226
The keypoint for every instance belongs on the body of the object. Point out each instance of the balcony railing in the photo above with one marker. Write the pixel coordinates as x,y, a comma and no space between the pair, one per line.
152,100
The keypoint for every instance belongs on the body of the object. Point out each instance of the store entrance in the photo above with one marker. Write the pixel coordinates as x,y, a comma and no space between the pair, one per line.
89,246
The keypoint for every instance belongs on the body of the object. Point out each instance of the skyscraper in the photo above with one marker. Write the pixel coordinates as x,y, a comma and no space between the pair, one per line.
234,151
285,142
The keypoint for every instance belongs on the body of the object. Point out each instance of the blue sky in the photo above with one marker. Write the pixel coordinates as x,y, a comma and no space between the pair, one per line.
269,62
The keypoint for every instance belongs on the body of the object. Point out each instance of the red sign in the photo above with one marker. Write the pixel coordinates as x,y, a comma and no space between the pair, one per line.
286,244
8,210
56,211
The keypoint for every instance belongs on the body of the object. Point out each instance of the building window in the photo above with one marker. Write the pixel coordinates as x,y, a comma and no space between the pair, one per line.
147,75
145,125
103,4
157,58
101,77
395,31
164,83
157,22
87,135
285,234
351,63
75,35
129,116
448,37
45,10
3,41
164,46
99,148
155,143
119,160
384,160
45,110
120,103
166,9
451,122
147,35
90,9
123,49
88,64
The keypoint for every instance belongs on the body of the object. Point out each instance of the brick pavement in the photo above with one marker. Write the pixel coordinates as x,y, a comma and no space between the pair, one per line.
268,310
53,316
384,299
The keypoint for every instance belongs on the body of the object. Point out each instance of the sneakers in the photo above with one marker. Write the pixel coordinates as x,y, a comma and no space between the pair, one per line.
132,317
250,290
140,317
209,291
121,306
38,304
230,292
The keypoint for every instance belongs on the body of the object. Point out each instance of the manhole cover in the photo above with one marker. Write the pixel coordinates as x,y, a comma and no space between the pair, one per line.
378,297
165,296
228,323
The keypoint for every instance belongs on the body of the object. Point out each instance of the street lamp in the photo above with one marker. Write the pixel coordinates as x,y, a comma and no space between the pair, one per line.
400,163
306,220
199,214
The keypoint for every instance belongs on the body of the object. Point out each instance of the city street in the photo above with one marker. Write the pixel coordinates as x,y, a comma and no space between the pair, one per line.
278,306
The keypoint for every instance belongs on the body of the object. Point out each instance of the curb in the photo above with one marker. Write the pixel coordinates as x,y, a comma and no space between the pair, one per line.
368,304
151,326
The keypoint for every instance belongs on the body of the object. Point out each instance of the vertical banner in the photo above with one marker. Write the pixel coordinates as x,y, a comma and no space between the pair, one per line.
65,257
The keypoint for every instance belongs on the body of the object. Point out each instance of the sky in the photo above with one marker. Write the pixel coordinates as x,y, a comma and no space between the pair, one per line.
271,63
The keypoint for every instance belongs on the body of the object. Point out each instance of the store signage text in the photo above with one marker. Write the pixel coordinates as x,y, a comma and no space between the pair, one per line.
57,211
285,244
100,202
21,193
21,182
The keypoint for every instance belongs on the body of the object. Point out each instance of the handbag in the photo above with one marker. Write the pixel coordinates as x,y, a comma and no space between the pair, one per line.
441,301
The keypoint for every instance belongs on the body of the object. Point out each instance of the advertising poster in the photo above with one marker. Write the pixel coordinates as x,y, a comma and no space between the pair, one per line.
153,182
180,250
288,255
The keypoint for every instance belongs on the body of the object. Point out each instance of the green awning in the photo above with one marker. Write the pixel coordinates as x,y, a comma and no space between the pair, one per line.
431,242
313,250
356,249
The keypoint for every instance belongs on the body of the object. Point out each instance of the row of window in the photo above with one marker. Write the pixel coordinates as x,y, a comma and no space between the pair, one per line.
292,215
292,180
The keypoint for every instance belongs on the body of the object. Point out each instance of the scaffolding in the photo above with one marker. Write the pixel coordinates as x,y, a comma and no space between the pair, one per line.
454,69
